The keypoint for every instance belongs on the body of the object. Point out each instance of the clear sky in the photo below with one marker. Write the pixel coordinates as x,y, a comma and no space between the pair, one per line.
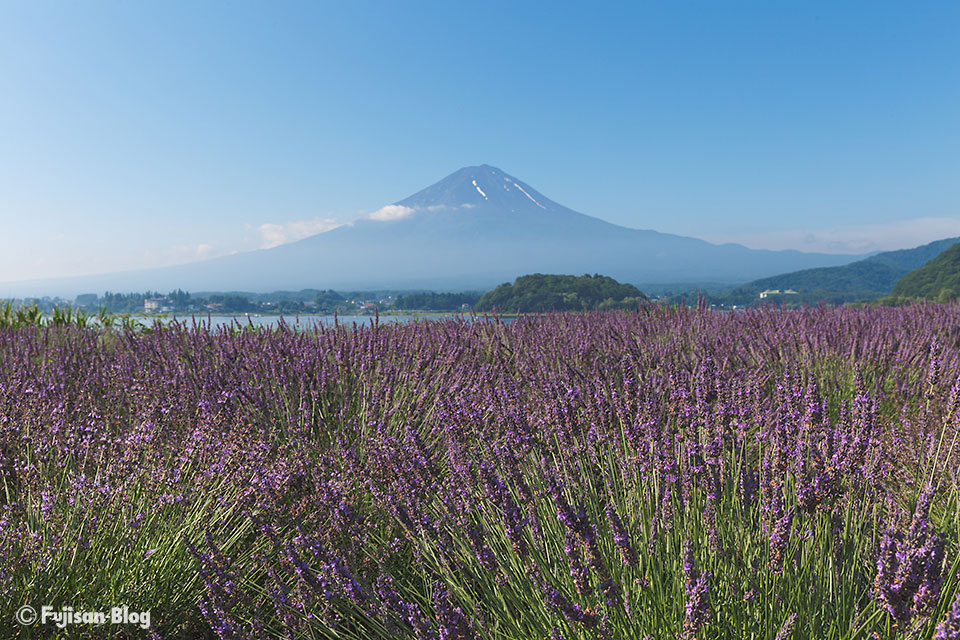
138,134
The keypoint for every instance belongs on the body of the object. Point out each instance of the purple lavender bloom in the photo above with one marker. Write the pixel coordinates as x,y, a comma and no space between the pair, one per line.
787,627
578,571
949,628
697,589
779,532
454,625
483,552
571,611
620,537
909,567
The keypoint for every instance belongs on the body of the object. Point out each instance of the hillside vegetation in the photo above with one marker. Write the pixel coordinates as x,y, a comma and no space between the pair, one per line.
431,301
866,279
938,279
540,292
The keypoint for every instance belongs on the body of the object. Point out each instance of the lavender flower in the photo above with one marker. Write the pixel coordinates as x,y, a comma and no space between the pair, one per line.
949,628
697,588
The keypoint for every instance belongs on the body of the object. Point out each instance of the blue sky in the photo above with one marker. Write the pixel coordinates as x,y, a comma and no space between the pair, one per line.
136,134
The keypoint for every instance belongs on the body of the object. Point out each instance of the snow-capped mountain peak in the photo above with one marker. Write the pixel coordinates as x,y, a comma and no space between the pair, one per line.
480,186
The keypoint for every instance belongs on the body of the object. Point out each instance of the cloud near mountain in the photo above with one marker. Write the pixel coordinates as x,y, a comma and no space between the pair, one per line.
274,235
392,212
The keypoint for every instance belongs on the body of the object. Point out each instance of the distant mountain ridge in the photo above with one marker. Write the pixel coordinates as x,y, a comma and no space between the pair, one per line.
472,230
871,277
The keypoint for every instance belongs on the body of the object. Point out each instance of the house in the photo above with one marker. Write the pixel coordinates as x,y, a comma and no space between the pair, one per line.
153,305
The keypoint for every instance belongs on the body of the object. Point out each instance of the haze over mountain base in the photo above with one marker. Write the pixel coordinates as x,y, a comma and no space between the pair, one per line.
476,228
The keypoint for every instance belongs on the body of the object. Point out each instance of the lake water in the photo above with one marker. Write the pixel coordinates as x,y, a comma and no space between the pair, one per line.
303,322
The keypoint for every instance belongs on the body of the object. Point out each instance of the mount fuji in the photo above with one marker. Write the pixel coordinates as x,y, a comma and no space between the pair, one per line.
474,229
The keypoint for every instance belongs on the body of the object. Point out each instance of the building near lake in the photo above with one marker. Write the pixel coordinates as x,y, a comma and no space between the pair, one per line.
777,292
154,305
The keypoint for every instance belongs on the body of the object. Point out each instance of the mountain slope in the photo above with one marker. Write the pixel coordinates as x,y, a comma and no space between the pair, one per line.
939,278
910,259
871,277
472,230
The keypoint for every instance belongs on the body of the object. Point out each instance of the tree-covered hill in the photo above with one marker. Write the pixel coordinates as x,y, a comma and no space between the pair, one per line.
865,279
431,301
540,292
939,278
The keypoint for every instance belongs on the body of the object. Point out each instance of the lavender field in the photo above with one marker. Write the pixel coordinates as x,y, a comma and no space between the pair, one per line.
658,474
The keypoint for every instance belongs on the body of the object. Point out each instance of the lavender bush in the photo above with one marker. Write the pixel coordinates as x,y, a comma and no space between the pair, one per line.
667,473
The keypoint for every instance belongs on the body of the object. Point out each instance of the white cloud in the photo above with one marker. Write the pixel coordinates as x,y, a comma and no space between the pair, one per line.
887,236
392,212
273,235
179,253
398,211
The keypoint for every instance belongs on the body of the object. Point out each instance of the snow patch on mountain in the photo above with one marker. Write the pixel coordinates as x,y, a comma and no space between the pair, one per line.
524,191
479,189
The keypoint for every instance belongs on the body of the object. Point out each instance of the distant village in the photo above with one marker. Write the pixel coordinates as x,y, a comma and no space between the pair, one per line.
281,302
326,302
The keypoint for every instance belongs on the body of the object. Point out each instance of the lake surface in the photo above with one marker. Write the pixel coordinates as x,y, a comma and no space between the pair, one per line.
303,322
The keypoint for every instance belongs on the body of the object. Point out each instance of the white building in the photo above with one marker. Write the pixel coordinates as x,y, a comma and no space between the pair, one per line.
153,305
777,292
